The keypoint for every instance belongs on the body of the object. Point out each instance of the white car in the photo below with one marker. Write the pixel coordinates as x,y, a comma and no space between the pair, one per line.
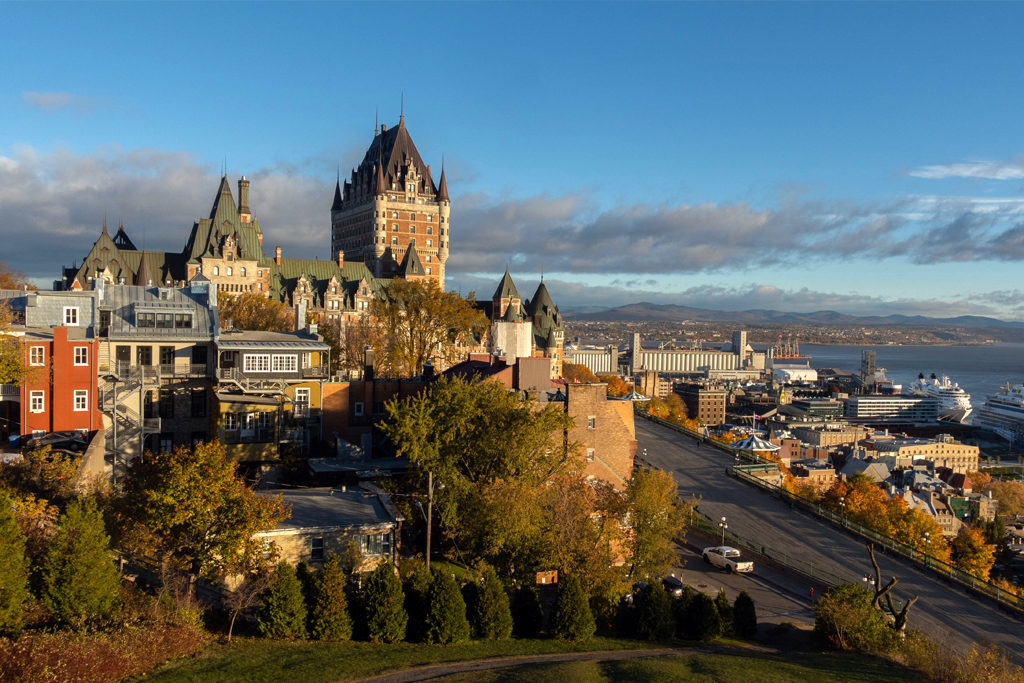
727,558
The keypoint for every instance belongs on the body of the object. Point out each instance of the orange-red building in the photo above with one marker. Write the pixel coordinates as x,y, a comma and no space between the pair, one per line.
60,391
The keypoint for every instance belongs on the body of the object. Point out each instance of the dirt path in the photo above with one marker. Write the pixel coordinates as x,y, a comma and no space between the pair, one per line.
423,673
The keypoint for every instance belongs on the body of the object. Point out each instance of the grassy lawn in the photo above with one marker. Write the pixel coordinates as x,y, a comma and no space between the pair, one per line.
712,668
256,659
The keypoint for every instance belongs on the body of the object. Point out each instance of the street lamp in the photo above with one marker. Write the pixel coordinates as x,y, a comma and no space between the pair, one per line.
723,526
868,581
927,537
842,506
430,509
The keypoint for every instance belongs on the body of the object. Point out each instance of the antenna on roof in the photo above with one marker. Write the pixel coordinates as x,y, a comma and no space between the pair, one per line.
542,274
401,109
376,121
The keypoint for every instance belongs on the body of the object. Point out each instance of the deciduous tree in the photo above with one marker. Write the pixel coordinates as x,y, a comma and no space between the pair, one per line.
189,507
417,322
13,365
655,519
616,386
845,618
13,279
79,581
970,553
577,373
253,311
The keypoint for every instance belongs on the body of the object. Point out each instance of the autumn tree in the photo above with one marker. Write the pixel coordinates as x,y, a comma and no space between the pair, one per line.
13,365
656,519
13,279
577,373
473,433
415,322
616,386
254,311
189,507
971,553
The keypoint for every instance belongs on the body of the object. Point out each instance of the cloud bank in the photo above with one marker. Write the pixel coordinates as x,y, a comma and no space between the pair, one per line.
56,101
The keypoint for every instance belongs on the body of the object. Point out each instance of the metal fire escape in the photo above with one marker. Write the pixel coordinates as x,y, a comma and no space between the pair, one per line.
123,393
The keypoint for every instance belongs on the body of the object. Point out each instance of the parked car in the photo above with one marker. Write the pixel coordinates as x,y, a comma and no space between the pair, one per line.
673,586
727,558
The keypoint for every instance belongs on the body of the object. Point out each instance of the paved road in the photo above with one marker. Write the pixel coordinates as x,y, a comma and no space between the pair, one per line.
947,613
424,673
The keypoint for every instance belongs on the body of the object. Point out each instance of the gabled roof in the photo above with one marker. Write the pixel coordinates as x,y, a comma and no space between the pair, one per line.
506,288
392,147
121,239
204,240
411,264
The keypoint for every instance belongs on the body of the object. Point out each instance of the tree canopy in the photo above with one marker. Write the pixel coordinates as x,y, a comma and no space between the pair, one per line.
415,322
656,519
189,506
254,311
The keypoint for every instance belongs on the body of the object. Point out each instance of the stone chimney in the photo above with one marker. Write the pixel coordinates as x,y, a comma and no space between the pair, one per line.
243,201
341,258
277,256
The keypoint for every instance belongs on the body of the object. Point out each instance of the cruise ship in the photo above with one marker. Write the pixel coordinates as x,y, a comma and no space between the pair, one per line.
954,402
1003,413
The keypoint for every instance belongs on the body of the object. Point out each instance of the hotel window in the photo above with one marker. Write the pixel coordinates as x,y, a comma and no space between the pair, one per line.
183,321
81,400
394,240
36,355
428,271
230,270
394,214
412,216
145,319
430,219
216,270
430,243
412,229
590,455
70,315
36,401
259,273
430,230
81,355
241,271
591,422
394,227
428,255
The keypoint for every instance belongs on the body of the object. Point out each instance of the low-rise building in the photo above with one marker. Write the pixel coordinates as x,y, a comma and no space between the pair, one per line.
325,521
941,452
892,407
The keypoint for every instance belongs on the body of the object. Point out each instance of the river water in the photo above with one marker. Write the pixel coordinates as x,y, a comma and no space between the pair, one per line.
980,370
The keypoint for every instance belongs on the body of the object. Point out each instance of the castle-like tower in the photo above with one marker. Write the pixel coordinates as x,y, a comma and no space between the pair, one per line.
390,206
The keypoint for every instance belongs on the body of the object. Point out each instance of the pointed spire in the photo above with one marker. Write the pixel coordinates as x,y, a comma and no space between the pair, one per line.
442,188
401,111
143,277
104,231
337,195
380,189
376,121
506,288
411,264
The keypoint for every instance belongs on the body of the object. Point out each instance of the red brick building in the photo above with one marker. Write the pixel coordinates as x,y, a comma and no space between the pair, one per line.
60,392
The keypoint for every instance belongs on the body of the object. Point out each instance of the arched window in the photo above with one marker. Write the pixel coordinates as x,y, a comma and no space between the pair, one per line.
216,270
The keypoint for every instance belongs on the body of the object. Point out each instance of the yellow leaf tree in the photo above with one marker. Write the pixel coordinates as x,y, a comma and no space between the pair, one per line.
972,554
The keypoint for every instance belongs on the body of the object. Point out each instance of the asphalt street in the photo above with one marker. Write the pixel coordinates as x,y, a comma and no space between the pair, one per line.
946,612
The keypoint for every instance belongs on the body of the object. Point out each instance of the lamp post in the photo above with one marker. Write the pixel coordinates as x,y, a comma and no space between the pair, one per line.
842,507
723,525
927,537
430,510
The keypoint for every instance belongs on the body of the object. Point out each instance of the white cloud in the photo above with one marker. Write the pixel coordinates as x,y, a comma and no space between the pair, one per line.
987,170
56,101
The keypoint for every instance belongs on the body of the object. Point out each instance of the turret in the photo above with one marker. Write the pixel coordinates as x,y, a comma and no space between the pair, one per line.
244,214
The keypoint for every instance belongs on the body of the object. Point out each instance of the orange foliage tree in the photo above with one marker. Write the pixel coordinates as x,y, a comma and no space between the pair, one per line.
616,386
972,554
577,373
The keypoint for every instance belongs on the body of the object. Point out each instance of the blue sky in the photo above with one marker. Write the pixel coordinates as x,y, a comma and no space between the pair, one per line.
862,157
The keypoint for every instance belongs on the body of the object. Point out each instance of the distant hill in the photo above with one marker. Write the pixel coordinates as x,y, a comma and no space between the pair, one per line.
648,312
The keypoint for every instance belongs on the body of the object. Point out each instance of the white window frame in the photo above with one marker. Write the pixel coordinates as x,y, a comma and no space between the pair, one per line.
216,270
81,400
230,271
256,362
230,422
301,401
591,454
71,316
81,355
592,422
284,363
32,351
37,401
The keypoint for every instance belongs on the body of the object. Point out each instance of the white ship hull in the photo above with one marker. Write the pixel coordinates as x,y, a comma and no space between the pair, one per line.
954,402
